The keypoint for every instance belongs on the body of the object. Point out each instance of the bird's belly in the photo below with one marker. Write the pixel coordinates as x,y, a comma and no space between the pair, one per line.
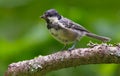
64,36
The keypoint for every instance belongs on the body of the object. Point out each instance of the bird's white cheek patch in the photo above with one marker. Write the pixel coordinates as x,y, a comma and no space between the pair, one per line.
53,19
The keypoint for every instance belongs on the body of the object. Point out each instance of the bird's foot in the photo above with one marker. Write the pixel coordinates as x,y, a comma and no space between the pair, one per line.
72,48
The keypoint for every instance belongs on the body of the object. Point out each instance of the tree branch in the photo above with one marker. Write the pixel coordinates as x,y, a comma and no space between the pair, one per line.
39,66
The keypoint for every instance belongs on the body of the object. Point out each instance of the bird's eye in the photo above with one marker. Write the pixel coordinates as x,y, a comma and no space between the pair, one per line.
50,15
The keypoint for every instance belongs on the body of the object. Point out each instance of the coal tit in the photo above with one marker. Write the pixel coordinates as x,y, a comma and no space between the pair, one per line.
65,30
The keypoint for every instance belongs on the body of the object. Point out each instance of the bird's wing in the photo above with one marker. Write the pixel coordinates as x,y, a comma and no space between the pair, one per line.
72,25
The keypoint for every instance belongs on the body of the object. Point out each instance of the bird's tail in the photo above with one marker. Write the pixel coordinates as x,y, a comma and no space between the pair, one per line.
104,39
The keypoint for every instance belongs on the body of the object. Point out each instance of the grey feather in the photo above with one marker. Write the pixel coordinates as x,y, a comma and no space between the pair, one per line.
72,25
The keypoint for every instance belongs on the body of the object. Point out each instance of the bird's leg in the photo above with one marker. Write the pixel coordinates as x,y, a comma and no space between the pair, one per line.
73,46
64,47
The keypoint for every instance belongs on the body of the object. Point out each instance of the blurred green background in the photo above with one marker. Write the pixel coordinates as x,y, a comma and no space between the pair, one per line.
23,35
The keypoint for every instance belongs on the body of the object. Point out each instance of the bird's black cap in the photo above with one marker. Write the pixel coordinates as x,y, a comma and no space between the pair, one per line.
50,13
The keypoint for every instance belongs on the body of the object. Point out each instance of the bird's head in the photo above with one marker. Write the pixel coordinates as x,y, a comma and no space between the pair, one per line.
51,14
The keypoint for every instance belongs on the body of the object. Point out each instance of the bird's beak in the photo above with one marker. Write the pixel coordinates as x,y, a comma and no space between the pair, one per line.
43,16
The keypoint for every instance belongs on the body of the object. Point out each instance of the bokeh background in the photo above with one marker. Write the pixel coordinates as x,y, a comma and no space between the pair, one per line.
23,35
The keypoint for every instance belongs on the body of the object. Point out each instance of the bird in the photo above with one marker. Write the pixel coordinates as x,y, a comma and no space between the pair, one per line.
67,31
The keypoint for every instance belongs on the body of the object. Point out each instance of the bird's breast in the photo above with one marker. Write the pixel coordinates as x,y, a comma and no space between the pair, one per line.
64,36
